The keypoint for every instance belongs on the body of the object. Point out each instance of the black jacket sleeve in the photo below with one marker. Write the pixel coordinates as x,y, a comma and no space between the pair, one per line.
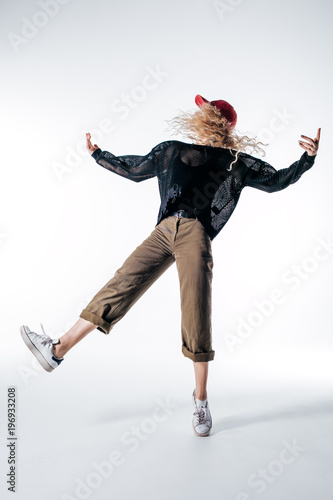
133,167
263,176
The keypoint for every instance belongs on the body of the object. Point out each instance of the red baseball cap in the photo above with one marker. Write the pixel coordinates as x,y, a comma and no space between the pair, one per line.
224,107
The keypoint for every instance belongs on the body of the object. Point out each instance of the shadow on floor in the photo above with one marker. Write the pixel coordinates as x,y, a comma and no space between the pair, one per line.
236,421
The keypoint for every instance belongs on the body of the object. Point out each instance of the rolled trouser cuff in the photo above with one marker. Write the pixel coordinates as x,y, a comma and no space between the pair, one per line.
199,356
101,324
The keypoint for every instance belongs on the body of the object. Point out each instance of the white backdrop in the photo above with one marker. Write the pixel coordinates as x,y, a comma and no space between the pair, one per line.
119,70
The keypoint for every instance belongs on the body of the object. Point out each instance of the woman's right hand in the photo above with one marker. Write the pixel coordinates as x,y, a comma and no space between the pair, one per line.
91,148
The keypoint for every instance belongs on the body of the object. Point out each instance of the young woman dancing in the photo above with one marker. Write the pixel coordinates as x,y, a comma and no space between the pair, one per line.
199,184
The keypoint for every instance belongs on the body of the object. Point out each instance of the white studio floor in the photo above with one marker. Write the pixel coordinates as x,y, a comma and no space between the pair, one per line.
120,427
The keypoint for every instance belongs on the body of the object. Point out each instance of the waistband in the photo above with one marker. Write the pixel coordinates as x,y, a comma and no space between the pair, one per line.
182,213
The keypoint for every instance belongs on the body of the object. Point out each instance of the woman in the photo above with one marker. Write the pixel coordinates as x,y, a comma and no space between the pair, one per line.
199,184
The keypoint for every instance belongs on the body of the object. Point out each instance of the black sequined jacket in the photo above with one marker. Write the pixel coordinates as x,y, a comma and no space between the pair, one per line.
199,177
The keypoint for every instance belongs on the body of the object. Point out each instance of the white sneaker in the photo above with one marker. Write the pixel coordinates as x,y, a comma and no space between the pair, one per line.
202,419
41,346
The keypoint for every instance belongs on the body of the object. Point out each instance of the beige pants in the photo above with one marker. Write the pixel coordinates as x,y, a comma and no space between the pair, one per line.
182,240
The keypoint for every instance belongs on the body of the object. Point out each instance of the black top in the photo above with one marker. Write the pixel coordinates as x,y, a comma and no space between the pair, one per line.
196,178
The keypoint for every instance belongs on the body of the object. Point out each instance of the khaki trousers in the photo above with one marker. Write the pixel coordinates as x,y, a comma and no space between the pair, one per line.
185,241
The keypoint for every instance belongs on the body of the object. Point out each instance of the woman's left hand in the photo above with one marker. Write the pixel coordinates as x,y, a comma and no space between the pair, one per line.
90,147
312,146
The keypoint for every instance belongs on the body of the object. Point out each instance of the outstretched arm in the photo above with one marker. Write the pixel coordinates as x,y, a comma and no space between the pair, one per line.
133,167
263,176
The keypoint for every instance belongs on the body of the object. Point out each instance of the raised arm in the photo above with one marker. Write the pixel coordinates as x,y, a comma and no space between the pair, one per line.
263,176
133,167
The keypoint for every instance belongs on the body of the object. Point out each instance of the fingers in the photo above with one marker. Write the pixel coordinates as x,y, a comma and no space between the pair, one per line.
313,141
312,145
308,138
308,147
91,148
88,142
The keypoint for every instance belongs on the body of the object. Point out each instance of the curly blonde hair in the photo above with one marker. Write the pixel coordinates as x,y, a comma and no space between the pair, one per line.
208,127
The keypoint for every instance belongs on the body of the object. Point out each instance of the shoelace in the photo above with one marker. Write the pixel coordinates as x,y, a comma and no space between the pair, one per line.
46,340
200,414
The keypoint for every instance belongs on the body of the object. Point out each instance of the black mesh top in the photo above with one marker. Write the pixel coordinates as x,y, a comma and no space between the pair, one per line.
196,178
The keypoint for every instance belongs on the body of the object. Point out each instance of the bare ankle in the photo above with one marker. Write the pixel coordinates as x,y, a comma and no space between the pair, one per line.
58,350
202,396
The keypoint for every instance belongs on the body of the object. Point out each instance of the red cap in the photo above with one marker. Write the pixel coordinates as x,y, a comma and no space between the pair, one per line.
224,107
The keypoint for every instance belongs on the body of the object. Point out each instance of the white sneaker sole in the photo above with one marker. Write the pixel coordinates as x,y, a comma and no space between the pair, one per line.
202,435
35,351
